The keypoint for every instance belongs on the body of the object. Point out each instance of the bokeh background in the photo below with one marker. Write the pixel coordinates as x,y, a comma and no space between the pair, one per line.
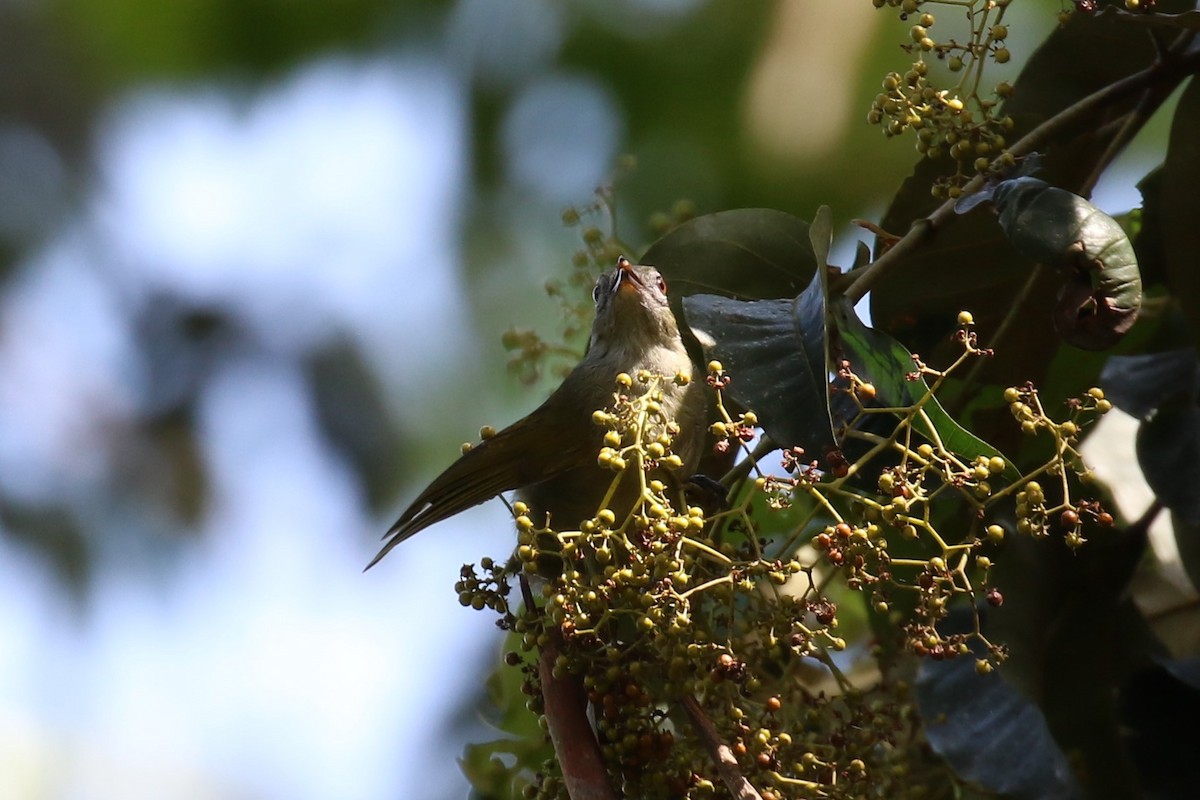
255,260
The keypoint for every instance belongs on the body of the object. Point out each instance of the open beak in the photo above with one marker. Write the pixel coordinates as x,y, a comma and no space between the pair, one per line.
626,278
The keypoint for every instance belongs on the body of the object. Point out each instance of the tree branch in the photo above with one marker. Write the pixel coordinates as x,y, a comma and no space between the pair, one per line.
571,734
1165,75
722,756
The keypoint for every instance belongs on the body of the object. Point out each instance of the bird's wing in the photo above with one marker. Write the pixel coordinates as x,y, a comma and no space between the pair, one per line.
560,431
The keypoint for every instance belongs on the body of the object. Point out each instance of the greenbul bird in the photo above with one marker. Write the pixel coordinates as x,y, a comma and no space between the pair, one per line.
550,456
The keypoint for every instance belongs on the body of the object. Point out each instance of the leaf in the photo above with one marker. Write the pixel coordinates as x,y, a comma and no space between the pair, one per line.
746,253
1100,300
1168,448
1163,390
885,362
774,351
990,733
1140,384
820,236
1159,708
1148,242
1180,213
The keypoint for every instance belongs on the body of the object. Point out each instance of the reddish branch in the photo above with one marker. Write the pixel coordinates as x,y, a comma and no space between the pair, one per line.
571,733
722,756
575,744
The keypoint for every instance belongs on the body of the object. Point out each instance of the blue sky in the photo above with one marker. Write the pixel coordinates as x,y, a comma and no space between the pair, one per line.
260,662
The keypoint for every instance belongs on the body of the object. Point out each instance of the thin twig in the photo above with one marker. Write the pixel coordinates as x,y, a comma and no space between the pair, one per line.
722,756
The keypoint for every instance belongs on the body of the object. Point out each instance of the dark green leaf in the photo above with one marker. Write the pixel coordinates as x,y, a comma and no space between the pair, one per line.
1074,638
749,253
1168,448
990,733
1102,293
1159,708
1139,385
1148,241
1180,211
820,235
774,351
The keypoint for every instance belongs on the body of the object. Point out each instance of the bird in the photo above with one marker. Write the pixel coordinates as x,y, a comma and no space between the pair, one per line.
550,456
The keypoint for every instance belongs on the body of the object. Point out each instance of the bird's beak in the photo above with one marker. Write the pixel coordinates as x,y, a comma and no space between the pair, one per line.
625,279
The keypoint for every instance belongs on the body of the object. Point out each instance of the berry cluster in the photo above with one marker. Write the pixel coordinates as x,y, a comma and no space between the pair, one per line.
1034,517
963,120
736,614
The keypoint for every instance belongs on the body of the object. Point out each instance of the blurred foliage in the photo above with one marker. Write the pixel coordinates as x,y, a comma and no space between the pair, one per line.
682,77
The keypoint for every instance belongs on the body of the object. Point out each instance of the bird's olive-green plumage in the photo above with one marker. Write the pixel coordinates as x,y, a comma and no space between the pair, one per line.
550,455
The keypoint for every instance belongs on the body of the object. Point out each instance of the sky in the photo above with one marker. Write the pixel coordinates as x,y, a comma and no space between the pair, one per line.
260,662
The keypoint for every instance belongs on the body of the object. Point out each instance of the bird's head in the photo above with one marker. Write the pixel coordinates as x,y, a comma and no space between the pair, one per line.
632,310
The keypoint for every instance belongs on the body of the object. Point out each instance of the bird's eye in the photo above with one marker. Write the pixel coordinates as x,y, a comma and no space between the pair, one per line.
596,293
660,283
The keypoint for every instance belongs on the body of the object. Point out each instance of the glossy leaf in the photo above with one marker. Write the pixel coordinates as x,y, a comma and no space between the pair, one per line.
1073,636
1168,448
990,733
774,351
1180,213
1163,390
1159,707
749,253
1139,385
1102,293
